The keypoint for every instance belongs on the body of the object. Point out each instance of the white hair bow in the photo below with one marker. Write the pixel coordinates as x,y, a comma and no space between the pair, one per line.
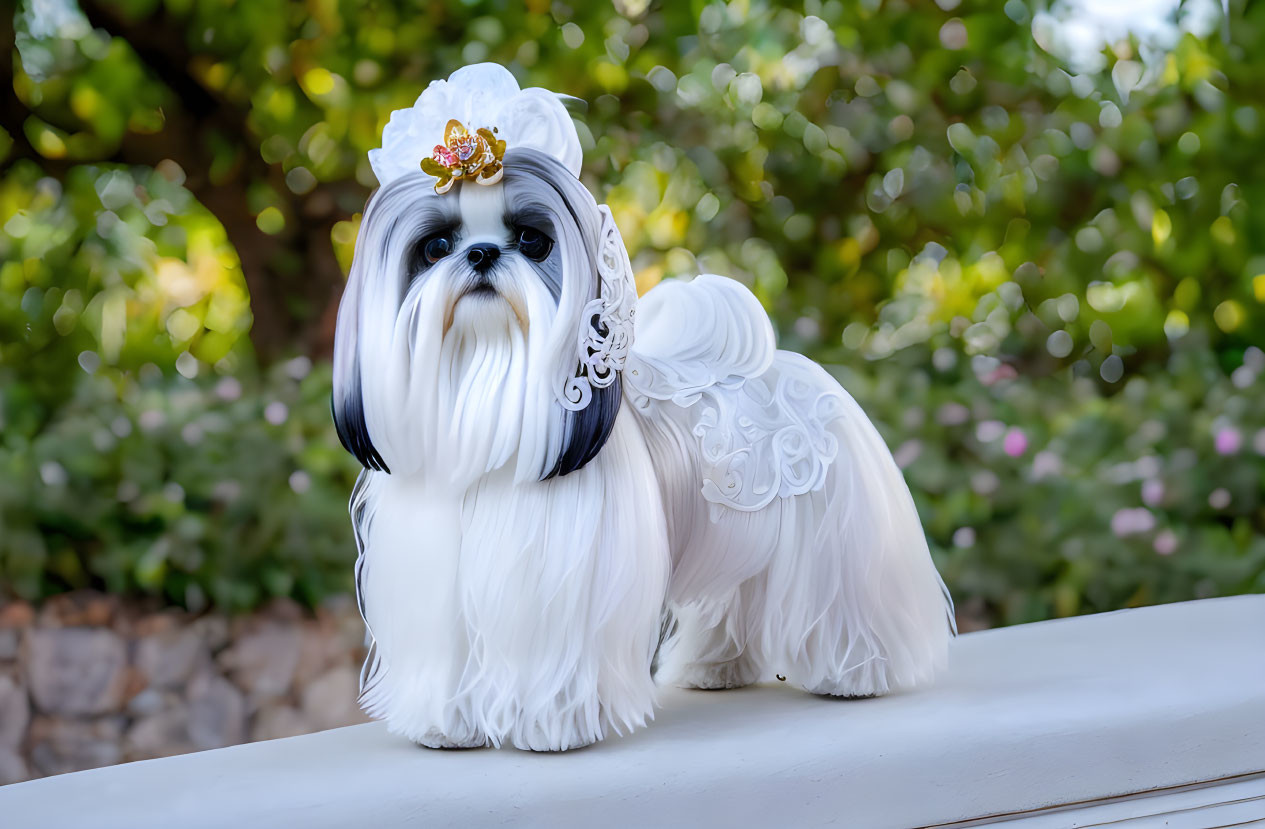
482,96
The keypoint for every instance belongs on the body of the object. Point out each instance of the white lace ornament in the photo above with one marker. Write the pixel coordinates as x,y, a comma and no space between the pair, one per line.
768,438
765,421
606,334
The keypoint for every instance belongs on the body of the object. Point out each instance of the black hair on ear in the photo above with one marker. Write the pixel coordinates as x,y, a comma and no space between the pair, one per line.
353,432
587,430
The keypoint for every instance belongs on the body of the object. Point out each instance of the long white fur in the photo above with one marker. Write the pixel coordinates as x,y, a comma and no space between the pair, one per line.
741,492
797,549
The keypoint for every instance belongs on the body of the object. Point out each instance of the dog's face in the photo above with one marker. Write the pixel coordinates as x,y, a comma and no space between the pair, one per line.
488,257
463,324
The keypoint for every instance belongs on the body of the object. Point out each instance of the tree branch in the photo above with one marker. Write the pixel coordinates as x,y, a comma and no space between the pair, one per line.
12,113
293,277
160,43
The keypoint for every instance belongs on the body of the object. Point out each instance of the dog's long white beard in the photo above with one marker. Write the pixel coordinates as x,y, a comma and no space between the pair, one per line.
479,390
454,389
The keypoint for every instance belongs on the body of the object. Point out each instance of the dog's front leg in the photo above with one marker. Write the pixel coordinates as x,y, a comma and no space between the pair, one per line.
407,584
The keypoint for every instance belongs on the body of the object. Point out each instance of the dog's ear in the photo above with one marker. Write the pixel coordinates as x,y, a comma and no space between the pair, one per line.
347,399
593,393
587,429
348,409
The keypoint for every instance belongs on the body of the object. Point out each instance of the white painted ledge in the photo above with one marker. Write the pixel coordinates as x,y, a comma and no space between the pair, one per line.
1055,724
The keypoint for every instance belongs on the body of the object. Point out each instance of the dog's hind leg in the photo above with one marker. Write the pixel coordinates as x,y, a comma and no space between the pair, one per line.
711,649
855,606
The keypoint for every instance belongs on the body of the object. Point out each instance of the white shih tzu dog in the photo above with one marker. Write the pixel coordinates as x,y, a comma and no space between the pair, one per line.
552,510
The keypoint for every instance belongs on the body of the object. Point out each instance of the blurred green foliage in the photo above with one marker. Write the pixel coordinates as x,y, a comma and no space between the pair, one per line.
215,492
1042,272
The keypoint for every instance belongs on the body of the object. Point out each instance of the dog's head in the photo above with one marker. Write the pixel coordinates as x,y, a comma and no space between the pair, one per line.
490,302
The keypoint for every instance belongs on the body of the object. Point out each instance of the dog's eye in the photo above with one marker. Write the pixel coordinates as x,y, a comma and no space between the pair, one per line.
437,247
534,244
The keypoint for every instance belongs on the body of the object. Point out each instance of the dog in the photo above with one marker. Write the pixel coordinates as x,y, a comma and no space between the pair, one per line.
572,495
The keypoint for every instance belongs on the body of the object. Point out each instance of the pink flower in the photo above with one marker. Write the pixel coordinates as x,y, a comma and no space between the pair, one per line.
907,453
1016,442
1002,372
444,156
1152,492
1165,542
1132,521
465,146
1228,440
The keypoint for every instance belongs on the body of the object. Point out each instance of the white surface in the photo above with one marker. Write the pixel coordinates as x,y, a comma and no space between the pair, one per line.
1027,718
1239,801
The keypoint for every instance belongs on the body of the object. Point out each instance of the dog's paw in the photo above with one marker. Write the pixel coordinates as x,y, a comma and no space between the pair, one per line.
434,738
545,746
845,695
717,676
564,734
850,688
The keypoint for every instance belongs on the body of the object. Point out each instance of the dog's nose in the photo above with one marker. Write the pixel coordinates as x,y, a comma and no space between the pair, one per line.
482,257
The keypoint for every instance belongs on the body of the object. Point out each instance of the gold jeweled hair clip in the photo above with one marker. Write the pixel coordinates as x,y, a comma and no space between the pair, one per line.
465,156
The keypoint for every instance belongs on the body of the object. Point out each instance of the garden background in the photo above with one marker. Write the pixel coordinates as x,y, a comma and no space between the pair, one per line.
1028,238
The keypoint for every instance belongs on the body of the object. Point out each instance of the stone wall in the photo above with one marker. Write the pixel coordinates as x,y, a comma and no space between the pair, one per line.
87,680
